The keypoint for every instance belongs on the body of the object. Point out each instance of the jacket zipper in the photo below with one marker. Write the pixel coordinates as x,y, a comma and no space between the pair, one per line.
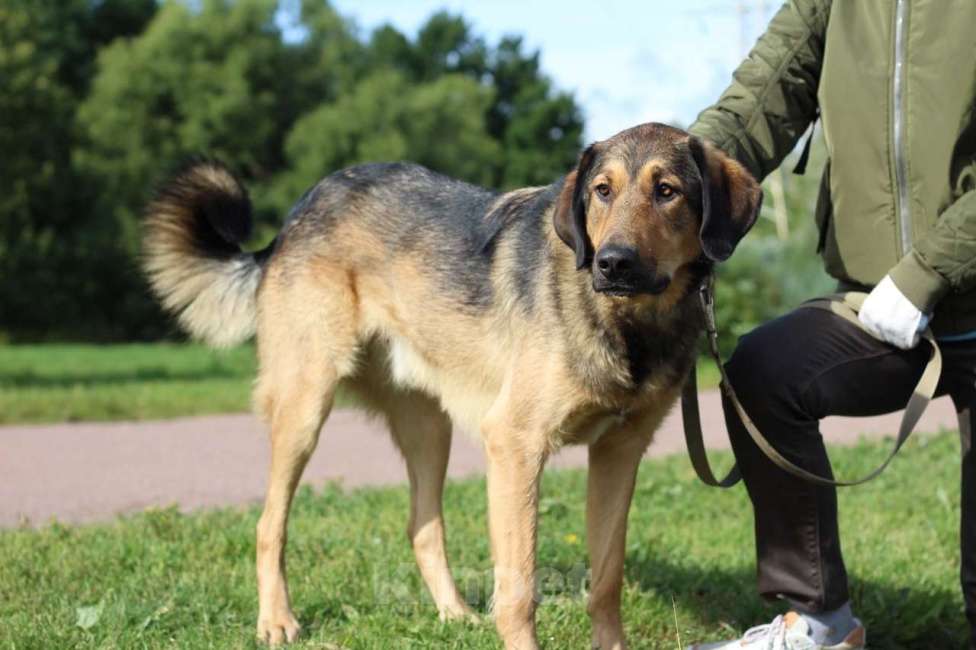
898,130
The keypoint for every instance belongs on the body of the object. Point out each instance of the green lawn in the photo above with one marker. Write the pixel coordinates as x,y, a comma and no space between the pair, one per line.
66,383
60,383
166,580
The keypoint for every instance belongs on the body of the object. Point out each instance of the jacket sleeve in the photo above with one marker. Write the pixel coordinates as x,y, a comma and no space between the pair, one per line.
773,96
944,260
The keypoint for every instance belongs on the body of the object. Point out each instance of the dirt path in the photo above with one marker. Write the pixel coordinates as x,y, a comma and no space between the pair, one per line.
92,472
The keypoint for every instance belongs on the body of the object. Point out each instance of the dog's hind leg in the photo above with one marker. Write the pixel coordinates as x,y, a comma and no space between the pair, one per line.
422,431
301,409
306,343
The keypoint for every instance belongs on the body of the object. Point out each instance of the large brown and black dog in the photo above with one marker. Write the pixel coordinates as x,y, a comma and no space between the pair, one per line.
540,317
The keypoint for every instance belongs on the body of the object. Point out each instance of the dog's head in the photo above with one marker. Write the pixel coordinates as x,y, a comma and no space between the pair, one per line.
649,202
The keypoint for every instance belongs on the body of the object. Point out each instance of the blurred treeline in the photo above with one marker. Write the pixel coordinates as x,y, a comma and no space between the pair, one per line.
101,99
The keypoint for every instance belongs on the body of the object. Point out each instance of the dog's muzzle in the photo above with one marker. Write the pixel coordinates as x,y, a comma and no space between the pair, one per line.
619,271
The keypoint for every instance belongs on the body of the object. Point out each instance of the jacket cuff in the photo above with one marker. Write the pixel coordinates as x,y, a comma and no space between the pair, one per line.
922,285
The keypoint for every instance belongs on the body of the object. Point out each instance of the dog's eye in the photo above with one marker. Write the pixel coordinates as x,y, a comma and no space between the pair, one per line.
664,190
603,190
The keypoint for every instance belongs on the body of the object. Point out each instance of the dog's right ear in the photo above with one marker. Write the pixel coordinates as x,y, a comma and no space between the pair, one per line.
569,217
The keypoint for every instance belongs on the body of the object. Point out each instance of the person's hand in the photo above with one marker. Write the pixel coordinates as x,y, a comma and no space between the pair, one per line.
891,317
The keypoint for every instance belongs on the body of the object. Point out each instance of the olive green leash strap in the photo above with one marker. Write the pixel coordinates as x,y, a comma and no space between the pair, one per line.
691,414
844,305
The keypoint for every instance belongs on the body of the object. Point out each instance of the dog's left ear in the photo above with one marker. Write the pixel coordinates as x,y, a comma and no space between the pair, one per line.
731,199
569,217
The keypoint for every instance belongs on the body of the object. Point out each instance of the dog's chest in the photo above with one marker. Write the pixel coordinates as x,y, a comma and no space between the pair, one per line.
631,408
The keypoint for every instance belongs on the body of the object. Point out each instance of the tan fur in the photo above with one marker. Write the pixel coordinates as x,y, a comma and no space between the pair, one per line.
213,299
500,375
348,309
745,193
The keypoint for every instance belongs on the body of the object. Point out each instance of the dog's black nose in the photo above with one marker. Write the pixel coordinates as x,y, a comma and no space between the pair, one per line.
616,263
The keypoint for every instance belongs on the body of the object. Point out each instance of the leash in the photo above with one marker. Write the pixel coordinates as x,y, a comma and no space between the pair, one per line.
846,306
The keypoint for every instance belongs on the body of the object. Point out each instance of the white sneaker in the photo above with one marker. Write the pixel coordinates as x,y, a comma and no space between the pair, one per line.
788,632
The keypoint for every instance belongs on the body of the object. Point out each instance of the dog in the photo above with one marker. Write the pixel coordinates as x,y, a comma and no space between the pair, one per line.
540,317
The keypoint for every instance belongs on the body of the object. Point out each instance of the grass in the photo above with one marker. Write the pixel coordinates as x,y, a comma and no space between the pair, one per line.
162,579
64,383
69,383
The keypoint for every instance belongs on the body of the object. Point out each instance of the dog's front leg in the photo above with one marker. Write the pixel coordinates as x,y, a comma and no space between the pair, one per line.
613,462
515,461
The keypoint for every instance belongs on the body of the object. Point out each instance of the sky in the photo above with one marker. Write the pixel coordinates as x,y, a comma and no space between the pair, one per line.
625,61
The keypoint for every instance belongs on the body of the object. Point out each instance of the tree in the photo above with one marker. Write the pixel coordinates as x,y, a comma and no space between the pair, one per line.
104,98
438,124
47,51
538,129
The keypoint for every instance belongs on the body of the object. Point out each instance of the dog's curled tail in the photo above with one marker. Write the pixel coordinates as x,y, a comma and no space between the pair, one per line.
192,254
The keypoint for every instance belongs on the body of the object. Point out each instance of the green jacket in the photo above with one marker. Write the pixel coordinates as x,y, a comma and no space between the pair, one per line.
895,84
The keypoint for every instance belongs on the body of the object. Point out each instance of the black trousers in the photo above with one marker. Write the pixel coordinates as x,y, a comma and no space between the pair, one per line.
790,373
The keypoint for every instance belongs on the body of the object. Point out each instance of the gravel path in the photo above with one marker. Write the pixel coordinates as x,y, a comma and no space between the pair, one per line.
94,471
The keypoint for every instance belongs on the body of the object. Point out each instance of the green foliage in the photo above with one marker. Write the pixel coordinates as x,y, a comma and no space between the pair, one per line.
181,87
60,269
767,276
438,124
104,98
163,579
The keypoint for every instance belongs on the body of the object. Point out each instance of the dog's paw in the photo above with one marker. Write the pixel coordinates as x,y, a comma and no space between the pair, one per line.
278,629
458,612
612,640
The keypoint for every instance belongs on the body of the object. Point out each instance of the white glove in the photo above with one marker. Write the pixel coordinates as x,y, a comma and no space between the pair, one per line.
891,317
